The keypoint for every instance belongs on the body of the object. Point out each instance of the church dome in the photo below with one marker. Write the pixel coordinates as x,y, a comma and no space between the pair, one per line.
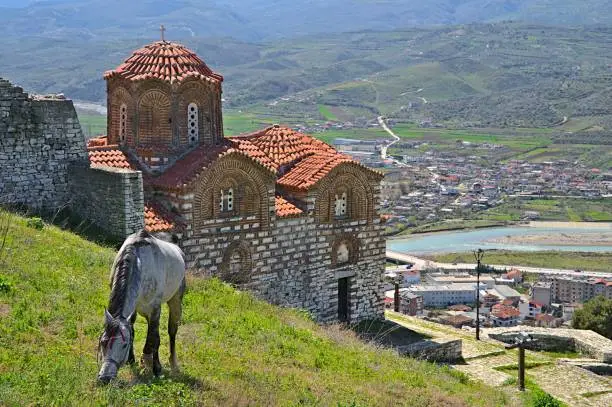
167,61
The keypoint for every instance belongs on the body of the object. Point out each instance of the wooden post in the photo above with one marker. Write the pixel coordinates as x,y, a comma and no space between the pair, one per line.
396,297
521,368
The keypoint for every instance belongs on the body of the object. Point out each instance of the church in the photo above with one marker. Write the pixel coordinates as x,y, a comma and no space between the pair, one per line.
276,212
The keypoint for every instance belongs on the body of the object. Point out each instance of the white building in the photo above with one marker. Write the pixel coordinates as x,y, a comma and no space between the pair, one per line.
443,295
460,278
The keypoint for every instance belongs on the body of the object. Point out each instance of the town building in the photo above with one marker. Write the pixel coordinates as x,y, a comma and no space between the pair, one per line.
437,295
411,304
541,292
572,289
460,278
504,315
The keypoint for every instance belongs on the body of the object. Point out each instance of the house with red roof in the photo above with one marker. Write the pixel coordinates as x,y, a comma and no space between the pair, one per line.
504,315
275,211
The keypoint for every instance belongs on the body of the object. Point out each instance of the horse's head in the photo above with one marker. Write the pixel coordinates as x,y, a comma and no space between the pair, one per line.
114,345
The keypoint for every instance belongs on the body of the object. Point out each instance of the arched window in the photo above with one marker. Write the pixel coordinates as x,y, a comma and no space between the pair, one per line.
192,123
340,205
237,264
123,123
226,203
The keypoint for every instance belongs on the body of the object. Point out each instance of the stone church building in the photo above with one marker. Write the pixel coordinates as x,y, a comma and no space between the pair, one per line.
277,212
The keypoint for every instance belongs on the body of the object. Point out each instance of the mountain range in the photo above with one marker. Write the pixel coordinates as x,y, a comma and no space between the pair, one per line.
257,20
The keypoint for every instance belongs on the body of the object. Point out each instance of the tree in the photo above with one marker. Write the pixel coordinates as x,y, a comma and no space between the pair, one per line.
596,315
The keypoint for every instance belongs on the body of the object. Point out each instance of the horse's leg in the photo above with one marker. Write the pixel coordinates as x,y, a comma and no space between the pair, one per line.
150,352
131,358
175,306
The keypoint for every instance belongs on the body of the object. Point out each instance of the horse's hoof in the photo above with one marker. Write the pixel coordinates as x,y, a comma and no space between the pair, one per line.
146,362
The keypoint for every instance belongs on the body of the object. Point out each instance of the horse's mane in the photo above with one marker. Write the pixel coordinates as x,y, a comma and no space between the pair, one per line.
123,268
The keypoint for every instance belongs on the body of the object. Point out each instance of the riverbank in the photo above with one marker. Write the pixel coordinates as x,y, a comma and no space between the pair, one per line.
603,238
545,259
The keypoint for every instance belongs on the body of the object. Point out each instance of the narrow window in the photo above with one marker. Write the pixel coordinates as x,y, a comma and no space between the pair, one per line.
122,122
192,123
340,205
226,204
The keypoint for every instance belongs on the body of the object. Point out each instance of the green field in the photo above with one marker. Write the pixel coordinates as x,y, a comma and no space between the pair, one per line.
548,259
452,224
92,124
233,349
326,113
575,210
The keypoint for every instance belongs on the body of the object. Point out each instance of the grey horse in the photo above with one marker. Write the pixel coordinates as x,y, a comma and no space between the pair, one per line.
146,273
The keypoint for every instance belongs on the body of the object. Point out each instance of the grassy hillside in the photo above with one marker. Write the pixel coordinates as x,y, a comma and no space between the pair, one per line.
234,350
481,75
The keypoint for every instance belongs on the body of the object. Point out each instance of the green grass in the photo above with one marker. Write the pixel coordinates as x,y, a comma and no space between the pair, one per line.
454,224
92,124
575,210
326,113
233,349
547,259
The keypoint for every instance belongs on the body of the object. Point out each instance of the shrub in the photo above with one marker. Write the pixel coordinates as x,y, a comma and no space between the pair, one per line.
543,399
36,223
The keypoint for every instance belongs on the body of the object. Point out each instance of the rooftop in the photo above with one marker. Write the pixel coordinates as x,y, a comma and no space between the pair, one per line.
166,61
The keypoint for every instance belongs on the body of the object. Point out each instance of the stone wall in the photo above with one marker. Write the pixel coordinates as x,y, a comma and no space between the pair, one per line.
550,339
290,261
39,138
111,198
440,350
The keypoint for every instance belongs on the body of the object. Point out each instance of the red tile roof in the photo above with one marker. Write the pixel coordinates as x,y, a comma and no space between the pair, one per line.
164,60
285,208
109,157
283,145
158,219
100,141
312,169
189,167
505,311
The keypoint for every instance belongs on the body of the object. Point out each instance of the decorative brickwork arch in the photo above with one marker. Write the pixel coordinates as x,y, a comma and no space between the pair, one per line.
249,182
154,119
237,264
122,112
346,184
345,250
195,92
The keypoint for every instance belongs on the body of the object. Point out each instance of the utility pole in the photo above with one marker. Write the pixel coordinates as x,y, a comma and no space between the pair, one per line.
478,254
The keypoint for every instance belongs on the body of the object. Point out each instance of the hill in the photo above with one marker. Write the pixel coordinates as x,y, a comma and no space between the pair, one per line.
482,75
265,20
233,349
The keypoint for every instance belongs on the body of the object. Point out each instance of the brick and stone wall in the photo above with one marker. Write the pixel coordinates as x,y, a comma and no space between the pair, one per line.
290,261
39,138
111,198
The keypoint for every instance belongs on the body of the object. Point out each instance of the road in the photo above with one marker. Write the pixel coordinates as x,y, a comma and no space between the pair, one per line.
422,263
383,150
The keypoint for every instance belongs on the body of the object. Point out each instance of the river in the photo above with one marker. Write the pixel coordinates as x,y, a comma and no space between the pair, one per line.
517,238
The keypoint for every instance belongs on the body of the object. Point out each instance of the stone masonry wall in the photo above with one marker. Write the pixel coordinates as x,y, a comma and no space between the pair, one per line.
111,198
39,138
291,262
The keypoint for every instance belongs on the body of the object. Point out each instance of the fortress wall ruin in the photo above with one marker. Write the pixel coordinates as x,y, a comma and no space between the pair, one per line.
40,136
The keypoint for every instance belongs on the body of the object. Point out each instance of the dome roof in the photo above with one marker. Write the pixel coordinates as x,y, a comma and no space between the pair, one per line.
168,61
